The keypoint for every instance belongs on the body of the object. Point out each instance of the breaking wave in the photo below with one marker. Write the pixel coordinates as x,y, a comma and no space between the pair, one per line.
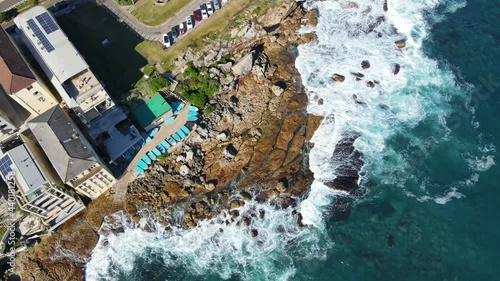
400,122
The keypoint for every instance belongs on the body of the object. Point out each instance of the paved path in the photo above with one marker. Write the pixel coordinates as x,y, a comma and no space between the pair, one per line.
148,32
9,4
120,188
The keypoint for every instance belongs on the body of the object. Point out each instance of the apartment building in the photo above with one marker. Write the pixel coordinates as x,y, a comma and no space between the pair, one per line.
19,82
34,191
71,155
79,88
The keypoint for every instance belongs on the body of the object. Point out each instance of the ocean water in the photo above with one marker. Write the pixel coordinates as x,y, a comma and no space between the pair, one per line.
429,138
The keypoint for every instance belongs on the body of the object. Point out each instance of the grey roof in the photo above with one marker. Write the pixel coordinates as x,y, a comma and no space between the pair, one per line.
58,137
64,61
14,111
28,168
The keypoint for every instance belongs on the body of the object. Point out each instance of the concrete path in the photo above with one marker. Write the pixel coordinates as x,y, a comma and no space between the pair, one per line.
9,4
148,32
120,188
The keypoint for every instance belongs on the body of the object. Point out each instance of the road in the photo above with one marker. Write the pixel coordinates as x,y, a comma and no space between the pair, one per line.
148,32
8,4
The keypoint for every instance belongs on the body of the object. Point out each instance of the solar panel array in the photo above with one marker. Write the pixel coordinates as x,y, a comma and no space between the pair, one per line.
39,34
5,163
47,23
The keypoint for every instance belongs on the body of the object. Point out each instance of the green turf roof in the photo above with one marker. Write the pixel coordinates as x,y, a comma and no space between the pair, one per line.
151,110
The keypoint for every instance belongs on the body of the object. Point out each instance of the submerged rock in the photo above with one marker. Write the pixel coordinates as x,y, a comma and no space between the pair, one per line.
395,68
358,75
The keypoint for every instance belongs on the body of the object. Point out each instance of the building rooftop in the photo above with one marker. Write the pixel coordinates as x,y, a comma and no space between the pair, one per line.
27,171
51,43
15,74
151,110
61,142
82,83
120,139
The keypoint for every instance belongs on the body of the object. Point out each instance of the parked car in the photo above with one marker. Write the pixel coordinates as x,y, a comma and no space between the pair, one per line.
175,31
182,28
197,16
189,22
216,4
166,40
204,14
210,9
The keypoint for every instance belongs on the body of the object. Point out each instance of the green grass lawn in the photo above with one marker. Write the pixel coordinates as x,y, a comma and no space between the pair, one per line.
215,24
153,15
118,64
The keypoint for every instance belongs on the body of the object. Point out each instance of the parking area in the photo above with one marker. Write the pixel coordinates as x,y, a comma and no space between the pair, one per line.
190,22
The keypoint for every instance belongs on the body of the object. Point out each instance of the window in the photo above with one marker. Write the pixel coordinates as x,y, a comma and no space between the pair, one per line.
29,88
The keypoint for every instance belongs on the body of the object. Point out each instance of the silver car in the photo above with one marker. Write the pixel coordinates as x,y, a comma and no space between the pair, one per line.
204,14
216,4
210,9
189,22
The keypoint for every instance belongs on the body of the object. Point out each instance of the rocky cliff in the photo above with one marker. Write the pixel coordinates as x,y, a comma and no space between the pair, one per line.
253,145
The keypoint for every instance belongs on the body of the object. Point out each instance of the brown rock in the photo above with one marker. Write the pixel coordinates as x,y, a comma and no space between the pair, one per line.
280,187
400,43
235,204
338,78
311,18
365,64
358,75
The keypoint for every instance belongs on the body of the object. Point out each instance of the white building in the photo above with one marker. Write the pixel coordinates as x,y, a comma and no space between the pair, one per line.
35,193
19,82
62,63
76,84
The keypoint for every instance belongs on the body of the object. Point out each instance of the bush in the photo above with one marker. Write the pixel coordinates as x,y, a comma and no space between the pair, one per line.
208,110
8,15
157,83
197,87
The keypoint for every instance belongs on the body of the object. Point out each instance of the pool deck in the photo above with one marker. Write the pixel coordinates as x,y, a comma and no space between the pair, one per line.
120,188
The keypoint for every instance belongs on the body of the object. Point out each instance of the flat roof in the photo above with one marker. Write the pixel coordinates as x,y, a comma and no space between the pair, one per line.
120,140
151,109
51,43
27,171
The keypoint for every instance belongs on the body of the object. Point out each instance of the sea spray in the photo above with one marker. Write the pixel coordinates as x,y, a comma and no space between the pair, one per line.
268,248
401,117
400,123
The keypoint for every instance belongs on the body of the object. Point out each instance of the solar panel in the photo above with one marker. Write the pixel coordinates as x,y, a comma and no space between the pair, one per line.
47,23
38,33
5,163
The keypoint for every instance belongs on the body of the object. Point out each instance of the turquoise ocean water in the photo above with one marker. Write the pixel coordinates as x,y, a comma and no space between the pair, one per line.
427,207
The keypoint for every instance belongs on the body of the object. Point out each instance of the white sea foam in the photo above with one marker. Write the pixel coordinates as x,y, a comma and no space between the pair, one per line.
392,112
395,106
214,247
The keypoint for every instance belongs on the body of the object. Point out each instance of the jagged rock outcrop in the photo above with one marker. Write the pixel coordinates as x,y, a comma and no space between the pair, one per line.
251,147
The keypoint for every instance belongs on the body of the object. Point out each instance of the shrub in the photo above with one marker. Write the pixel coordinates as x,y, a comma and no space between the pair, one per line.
157,83
208,110
197,87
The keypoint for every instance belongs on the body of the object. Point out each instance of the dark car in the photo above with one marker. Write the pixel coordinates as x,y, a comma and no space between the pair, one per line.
175,31
182,28
197,16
